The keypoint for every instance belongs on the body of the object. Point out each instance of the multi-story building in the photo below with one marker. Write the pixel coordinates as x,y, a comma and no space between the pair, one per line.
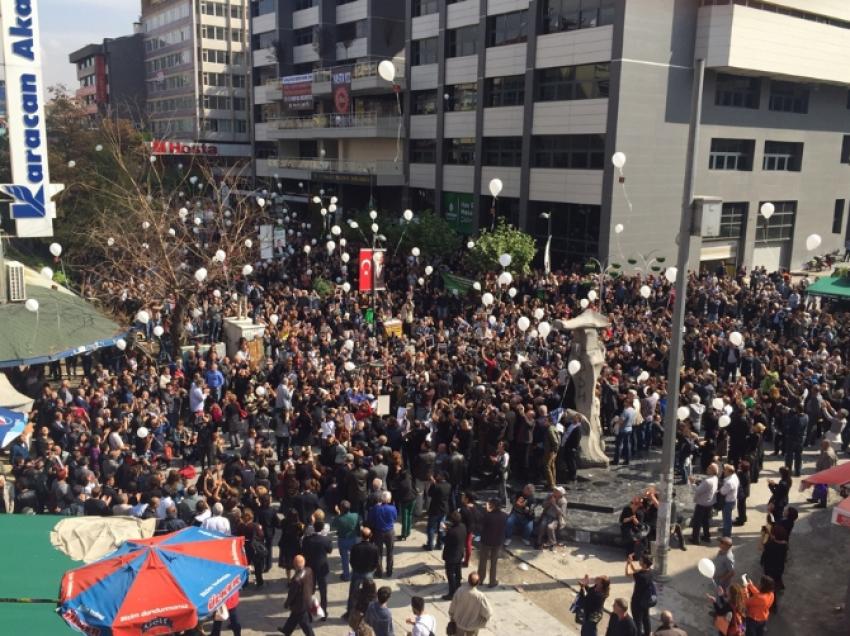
325,120
111,78
197,73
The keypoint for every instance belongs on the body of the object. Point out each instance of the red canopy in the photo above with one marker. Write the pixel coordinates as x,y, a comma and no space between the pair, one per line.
841,514
835,476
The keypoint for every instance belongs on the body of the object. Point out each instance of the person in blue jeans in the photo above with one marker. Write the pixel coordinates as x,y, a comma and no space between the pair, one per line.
347,526
439,494
729,492
522,515
626,424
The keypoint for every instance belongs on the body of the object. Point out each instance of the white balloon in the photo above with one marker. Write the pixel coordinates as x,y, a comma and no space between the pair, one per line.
247,270
375,228
240,356
152,159
408,215
645,291
143,317
72,164
31,305
373,214
386,69
505,260
323,211
415,251
487,299
429,270
172,232
717,404
539,313
145,225
706,568
618,229
261,202
583,303
491,320
196,220
532,334
336,231
512,292
670,274
234,296
110,241
274,318
523,324
496,186
346,287
345,257
142,432
306,249
158,331
349,366
728,409
470,244
544,328
98,148
197,313
476,286
505,279
330,246
619,160
260,391
201,274
121,344
55,249
342,242
420,280
317,199
724,421
47,273
216,293
592,295
348,344
219,256
574,367
643,376
813,242
249,243
767,209
736,338
183,213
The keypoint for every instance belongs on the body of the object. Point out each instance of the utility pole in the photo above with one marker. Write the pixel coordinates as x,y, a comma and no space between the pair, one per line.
675,352
3,294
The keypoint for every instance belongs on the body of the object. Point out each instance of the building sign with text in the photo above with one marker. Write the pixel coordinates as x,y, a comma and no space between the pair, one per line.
174,147
459,210
341,89
298,92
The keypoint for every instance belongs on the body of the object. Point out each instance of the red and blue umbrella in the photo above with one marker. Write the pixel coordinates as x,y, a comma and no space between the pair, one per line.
154,586
12,424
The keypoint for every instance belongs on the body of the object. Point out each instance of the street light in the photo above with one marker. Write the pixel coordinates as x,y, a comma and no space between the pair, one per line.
547,253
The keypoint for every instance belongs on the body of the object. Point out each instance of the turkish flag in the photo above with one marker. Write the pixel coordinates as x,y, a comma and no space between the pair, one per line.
365,270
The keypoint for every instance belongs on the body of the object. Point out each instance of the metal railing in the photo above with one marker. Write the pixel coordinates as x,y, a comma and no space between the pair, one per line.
334,120
366,67
347,166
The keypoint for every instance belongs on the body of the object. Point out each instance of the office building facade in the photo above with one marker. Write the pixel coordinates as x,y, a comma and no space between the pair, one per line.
197,75
325,120
111,78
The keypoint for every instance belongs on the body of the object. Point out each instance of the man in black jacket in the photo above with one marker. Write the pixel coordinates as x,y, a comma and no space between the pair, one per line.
316,549
364,562
357,488
493,523
620,623
569,447
299,598
454,545
438,507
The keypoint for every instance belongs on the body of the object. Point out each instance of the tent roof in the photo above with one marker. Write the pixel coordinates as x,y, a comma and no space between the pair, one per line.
835,476
64,325
831,287
11,398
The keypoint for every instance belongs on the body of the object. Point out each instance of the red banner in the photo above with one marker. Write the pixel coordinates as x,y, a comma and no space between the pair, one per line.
365,270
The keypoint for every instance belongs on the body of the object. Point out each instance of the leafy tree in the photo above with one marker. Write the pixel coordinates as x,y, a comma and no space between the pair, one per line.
430,233
504,239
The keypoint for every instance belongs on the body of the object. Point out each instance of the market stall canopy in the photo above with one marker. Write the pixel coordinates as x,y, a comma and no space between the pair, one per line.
830,287
11,398
91,538
835,476
64,325
841,513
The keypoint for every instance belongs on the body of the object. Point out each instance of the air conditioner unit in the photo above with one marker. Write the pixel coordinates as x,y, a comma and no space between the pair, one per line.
15,282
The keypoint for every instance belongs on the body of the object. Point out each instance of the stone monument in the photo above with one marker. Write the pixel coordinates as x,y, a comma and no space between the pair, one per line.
590,353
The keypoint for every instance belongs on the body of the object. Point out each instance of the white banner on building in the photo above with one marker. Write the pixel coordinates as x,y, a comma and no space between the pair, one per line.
32,208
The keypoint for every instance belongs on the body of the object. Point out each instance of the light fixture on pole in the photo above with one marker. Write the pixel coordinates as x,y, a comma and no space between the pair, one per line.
547,253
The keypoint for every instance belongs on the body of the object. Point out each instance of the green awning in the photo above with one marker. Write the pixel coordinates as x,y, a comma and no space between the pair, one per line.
830,287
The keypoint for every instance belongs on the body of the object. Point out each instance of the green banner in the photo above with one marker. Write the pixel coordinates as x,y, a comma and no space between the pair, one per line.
459,210
370,315
457,284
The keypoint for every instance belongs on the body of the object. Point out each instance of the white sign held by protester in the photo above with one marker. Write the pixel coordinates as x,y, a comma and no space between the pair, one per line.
32,206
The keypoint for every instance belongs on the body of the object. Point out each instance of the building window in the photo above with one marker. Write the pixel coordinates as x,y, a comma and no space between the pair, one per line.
507,28
740,92
352,30
423,151
502,151
575,229
239,103
568,15
460,151
731,154
215,56
779,227
423,102
838,216
423,51
587,81
424,7
462,41
845,149
732,220
505,91
300,37
788,97
579,152
303,4
462,97
218,102
782,155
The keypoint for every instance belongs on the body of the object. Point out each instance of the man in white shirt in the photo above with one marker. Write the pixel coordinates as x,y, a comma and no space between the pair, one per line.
704,496
729,490
216,522
423,624
328,427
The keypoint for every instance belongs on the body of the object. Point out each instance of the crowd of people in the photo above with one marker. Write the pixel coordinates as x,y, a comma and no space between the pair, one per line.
291,447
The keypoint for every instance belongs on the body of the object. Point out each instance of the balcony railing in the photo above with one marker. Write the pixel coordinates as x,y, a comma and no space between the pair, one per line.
333,120
338,165
366,67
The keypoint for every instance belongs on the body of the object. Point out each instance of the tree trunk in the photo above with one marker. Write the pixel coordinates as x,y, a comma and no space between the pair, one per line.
178,319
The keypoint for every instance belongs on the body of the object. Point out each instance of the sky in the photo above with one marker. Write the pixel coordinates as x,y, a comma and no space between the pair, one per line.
67,25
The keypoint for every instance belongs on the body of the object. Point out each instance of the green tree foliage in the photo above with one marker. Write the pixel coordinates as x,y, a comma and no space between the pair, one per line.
430,233
504,239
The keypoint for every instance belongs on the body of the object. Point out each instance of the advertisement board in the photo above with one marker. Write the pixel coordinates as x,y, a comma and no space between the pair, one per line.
298,92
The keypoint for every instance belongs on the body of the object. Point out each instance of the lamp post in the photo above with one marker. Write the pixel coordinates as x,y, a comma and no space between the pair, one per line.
675,362
547,255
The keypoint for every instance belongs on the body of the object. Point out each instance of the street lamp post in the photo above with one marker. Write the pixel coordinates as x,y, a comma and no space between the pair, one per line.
675,362
547,254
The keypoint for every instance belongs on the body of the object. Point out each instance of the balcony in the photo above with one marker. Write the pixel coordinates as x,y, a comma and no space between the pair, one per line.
740,38
381,173
330,125
364,77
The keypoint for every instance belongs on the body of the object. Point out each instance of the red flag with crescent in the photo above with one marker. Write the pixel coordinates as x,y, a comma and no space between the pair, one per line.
365,270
